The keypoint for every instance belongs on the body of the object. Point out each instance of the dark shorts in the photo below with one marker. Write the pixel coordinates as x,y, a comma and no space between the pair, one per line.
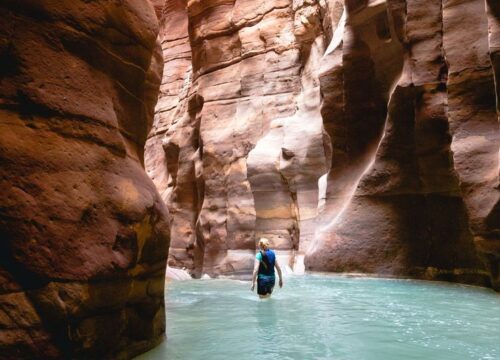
265,286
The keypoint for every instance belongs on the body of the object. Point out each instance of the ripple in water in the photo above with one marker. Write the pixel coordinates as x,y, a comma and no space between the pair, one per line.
328,317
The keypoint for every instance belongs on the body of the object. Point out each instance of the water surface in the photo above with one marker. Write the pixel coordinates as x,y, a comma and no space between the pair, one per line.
330,317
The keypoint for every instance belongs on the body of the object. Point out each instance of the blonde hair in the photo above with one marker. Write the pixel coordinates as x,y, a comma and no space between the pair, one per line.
264,243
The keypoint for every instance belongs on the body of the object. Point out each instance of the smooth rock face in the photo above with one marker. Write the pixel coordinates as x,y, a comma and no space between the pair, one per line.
83,231
419,197
361,135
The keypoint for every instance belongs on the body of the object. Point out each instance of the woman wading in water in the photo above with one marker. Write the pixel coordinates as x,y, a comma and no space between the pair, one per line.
263,270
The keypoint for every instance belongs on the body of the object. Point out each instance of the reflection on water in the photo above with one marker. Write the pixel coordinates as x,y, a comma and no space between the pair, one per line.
327,317
266,315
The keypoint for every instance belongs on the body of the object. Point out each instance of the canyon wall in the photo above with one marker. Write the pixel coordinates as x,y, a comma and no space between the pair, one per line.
83,231
237,145
425,201
359,136
421,198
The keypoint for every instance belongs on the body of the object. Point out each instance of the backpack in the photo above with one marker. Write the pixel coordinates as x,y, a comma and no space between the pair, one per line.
266,266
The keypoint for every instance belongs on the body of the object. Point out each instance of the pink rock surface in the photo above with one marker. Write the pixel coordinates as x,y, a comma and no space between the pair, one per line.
422,203
83,232
359,135
362,135
224,85
389,104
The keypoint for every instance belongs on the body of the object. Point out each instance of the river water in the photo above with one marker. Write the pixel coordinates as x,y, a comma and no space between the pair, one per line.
330,317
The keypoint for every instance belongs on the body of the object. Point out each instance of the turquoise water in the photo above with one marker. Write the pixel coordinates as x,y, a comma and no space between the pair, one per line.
328,317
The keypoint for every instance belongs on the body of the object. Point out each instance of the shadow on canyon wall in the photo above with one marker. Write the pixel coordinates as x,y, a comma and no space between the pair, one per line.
359,136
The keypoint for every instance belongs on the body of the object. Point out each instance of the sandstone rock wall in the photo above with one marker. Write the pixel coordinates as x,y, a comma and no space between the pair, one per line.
361,134
424,201
83,231
237,145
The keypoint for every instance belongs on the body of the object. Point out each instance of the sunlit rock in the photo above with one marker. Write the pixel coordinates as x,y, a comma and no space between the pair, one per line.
358,136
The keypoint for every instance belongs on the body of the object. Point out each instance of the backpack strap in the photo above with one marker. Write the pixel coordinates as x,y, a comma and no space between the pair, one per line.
264,256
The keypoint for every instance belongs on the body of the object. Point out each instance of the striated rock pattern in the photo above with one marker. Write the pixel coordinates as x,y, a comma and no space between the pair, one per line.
422,199
172,155
358,135
237,145
83,231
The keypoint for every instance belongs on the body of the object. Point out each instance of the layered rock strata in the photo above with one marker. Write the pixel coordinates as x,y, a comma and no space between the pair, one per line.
83,231
391,104
237,145
172,155
423,200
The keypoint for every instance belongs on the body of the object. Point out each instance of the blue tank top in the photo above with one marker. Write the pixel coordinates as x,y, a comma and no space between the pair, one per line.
267,260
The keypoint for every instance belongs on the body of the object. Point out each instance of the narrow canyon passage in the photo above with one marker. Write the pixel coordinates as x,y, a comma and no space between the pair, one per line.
358,136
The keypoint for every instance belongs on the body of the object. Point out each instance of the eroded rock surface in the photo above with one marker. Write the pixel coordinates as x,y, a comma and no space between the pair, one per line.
422,196
83,231
237,145
362,135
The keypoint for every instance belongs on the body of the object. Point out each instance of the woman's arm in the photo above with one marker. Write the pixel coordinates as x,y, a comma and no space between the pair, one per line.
279,272
255,271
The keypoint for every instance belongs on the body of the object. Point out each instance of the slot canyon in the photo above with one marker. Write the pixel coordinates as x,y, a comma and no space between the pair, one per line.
358,136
